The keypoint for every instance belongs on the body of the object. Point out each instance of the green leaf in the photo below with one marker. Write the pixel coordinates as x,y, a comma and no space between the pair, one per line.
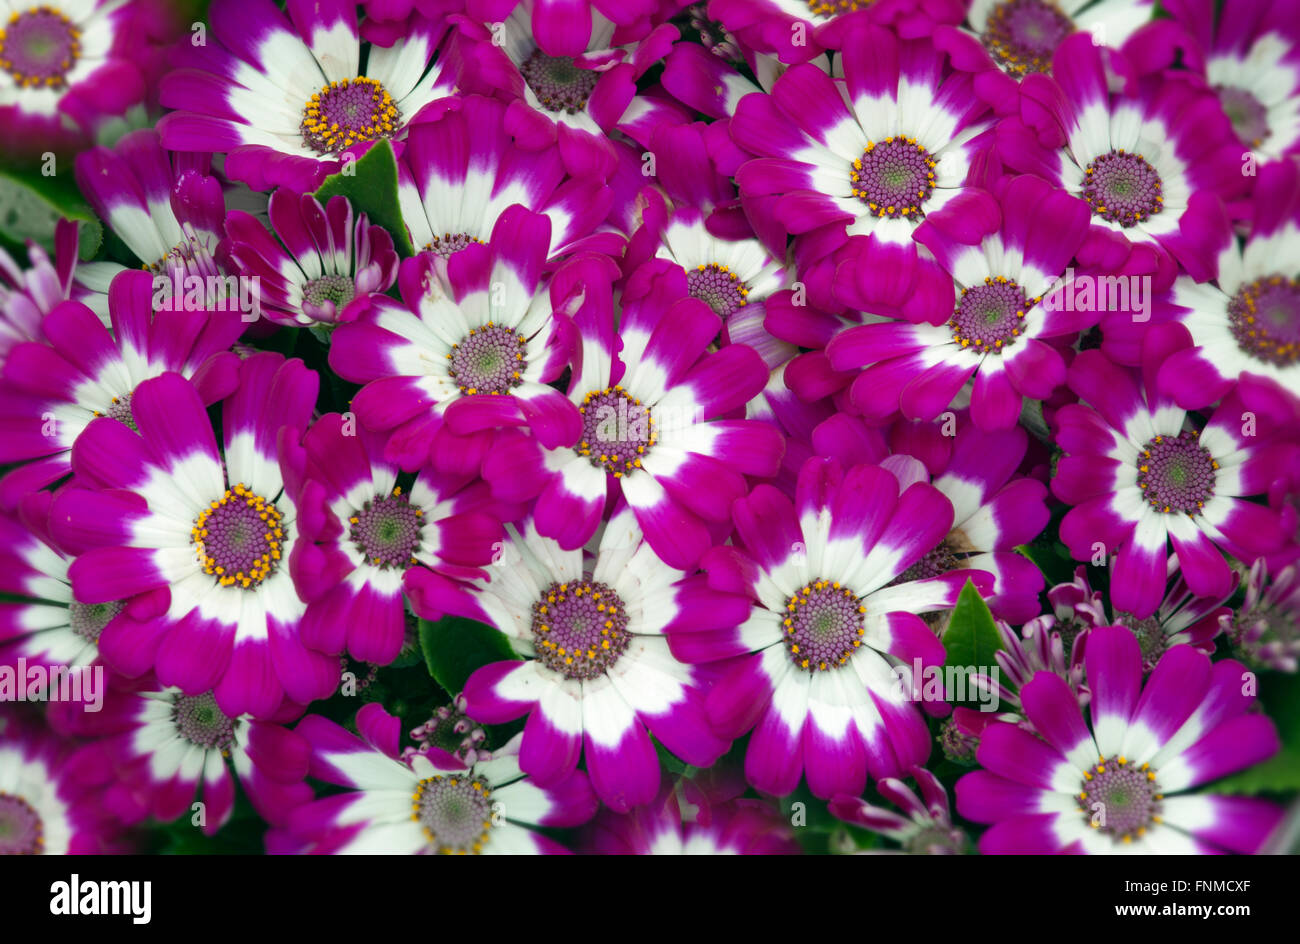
31,205
371,188
455,647
1279,694
971,638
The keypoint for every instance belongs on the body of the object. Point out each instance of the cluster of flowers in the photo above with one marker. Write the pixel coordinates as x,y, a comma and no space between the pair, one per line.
709,354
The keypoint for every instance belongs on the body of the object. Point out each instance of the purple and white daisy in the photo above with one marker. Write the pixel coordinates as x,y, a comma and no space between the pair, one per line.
195,538
54,387
1140,475
1152,159
66,65
1265,631
330,264
1252,60
28,295
170,751
830,621
996,334
654,424
597,671
461,170
284,96
367,543
927,827
50,794
573,100
1109,788
480,334
429,802
873,153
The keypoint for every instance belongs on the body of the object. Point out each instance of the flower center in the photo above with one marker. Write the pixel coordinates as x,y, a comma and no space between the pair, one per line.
1123,188
335,289
1264,317
579,628
1023,34
713,35
454,812
1248,115
1119,799
39,48
451,730
120,410
559,83
488,360
940,560
238,538
990,316
199,721
21,830
830,8
958,746
386,530
89,619
719,287
894,177
1149,634
1176,473
823,625
617,430
348,112
449,243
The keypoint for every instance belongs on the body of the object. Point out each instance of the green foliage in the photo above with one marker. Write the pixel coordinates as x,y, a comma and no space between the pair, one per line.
31,205
455,647
371,188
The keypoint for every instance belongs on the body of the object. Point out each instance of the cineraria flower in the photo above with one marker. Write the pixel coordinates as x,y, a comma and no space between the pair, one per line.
1111,789
41,622
28,295
927,827
66,65
167,208
170,751
816,680
852,157
1245,326
1021,36
1252,60
1265,631
195,537
1151,160
1141,475
50,794
479,332
284,97
429,802
653,424
597,671
995,333
77,370
367,542
1039,647
451,730
689,818
576,99
461,170
331,262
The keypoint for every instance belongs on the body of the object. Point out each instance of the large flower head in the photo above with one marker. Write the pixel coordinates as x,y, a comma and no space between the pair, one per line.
286,97
54,387
1110,787
1152,159
831,608
481,334
1142,474
196,536
427,802
369,543
597,671
653,405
